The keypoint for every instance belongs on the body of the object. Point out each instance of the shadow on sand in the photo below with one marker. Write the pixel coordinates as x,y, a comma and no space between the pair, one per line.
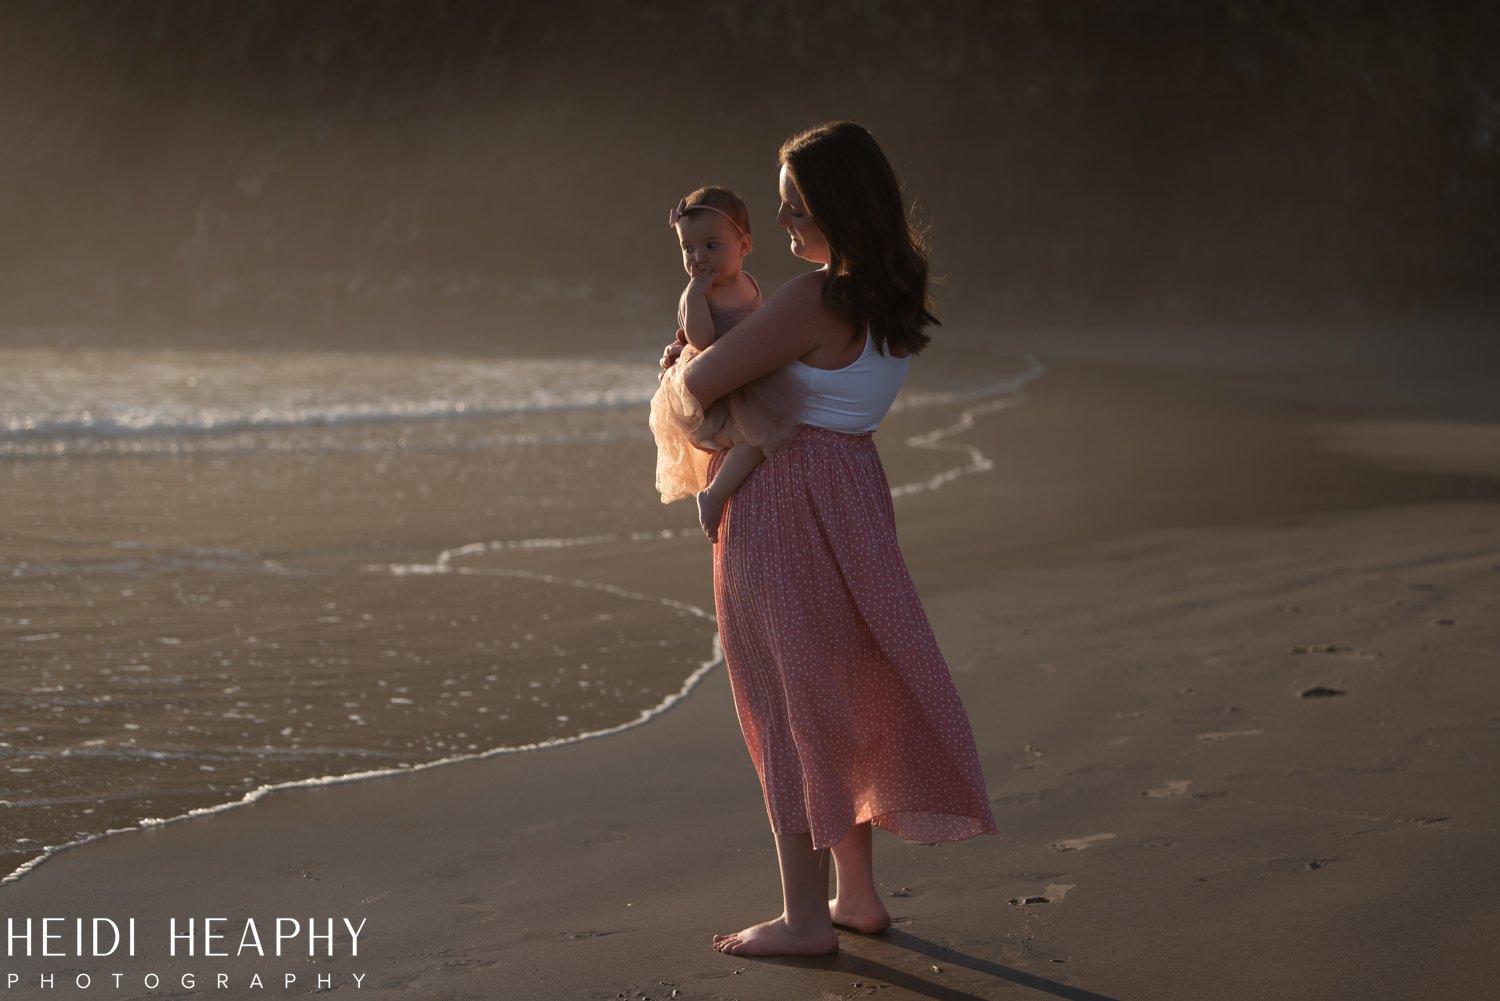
866,968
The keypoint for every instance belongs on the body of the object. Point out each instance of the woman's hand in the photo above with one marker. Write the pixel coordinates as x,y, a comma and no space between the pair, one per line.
671,351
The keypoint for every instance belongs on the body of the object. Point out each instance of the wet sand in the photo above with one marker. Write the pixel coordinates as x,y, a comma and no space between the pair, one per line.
1228,648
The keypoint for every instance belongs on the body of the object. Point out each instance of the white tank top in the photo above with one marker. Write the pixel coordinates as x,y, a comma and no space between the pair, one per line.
853,399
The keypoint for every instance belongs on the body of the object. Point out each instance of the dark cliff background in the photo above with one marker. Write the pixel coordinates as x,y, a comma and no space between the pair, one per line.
290,171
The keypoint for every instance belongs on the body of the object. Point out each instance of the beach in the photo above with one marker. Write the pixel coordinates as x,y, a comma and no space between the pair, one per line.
345,644
1220,603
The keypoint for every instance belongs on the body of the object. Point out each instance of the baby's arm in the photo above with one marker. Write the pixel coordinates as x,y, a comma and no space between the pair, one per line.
697,321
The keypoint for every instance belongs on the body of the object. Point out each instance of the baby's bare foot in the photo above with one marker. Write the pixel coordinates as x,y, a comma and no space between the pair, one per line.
774,938
868,919
710,513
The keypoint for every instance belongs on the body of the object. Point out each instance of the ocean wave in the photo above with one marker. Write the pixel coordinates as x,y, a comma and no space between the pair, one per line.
58,401
95,403
138,421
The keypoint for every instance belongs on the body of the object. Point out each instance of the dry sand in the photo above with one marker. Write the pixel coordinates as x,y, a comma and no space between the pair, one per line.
1233,683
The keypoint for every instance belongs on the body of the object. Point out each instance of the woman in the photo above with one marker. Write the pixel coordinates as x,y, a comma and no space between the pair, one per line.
845,702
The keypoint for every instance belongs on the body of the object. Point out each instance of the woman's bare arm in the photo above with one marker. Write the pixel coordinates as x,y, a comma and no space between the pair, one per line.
793,322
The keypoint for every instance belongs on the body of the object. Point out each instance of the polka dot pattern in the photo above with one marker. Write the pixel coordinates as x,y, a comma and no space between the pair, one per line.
847,707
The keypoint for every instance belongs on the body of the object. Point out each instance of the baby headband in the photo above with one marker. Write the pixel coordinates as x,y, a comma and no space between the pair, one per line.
683,208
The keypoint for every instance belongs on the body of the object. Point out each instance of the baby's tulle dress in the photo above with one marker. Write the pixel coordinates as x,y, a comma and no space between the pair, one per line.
764,413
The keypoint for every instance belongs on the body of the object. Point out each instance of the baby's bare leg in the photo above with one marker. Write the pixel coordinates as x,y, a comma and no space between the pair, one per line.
738,464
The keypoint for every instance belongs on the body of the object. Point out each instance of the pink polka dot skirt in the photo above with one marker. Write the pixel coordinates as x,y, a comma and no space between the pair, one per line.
845,701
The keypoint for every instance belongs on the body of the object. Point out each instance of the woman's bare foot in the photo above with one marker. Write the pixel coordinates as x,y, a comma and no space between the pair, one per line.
774,938
868,919
710,512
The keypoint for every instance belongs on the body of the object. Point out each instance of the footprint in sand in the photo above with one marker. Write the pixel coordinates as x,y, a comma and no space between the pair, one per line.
1174,787
1351,653
574,936
474,911
1079,844
1022,798
566,936
1322,692
1054,893
613,834
466,964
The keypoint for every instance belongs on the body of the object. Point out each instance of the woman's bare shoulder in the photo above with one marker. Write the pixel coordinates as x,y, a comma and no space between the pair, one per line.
801,301
804,289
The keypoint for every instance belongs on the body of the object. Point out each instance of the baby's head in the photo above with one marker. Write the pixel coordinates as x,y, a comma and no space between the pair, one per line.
713,228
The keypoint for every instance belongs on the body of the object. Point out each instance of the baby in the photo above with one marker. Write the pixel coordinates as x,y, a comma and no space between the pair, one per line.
713,228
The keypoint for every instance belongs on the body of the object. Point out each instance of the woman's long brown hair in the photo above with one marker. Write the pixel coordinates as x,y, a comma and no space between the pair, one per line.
877,268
